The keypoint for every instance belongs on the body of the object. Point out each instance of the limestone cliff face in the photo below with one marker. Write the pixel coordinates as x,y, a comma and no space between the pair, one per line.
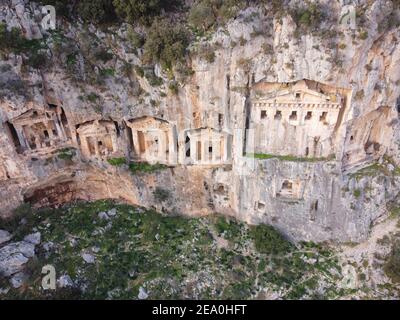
332,179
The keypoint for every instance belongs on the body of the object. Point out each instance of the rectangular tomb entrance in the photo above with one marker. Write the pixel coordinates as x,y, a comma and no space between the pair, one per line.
98,138
154,140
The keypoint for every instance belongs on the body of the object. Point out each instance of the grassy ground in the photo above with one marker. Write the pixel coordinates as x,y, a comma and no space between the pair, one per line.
264,156
171,257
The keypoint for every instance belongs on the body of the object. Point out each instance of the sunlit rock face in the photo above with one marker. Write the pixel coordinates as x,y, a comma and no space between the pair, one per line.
274,130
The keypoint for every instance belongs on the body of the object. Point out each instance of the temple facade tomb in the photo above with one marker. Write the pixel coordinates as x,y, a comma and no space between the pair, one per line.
206,146
153,140
98,139
293,120
38,130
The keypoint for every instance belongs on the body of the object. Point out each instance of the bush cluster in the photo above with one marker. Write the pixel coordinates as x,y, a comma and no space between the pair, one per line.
12,41
308,17
205,14
143,11
392,265
268,240
166,43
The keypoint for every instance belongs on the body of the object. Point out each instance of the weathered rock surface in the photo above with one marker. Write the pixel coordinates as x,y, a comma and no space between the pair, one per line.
65,281
142,294
88,258
14,256
33,238
307,200
18,279
4,236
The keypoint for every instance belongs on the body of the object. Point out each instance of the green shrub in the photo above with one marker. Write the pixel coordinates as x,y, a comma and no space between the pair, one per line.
229,228
242,41
161,194
209,56
268,240
166,43
264,156
126,69
71,59
11,224
93,97
154,103
229,9
205,14
392,264
183,71
202,16
37,60
153,80
267,48
136,39
109,72
359,94
308,17
96,11
357,193
143,10
135,167
92,11
66,154
14,42
139,71
207,53
117,161
103,55
363,35
173,87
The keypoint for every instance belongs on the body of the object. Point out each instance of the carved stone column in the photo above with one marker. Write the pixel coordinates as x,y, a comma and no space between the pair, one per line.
96,146
206,139
193,149
21,137
114,142
172,145
85,146
216,148
60,132
51,135
162,148
135,142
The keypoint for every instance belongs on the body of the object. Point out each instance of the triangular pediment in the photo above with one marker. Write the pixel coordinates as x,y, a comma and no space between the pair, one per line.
207,130
296,95
301,91
96,128
30,114
148,120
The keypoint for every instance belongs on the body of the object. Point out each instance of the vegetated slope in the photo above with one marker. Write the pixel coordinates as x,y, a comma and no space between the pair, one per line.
108,250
